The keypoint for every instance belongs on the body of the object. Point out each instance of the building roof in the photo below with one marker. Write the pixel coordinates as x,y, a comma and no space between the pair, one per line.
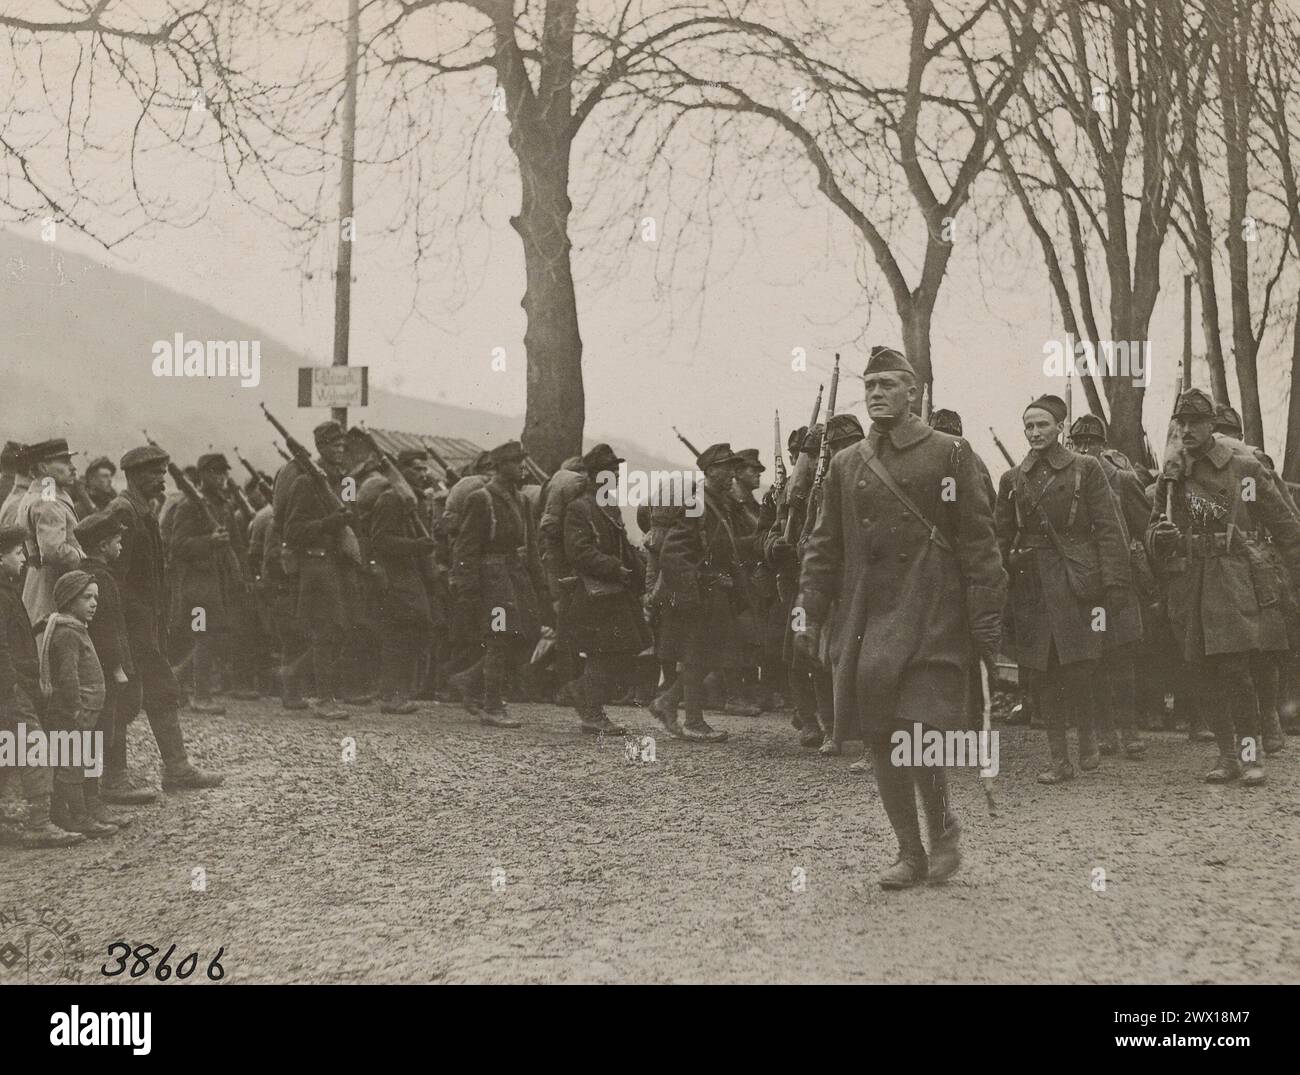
457,452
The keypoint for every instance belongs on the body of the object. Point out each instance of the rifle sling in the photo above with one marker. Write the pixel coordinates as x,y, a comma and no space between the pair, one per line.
887,480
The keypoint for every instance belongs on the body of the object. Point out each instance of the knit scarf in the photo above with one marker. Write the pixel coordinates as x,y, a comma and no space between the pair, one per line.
55,618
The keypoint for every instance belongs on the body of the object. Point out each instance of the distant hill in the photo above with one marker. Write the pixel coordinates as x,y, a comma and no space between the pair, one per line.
76,353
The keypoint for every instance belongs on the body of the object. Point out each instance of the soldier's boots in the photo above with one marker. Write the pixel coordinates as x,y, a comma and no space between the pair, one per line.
1197,732
399,705
829,747
909,869
1225,769
598,723
68,811
1061,769
495,716
329,709
810,738
945,853
1252,773
1089,754
120,791
1131,738
664,709
40,831
1108,743
1274,740
190,778
206,705
462,688
96,807
697,730
863,764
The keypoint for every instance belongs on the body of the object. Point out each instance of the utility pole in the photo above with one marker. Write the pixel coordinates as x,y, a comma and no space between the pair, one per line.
347,228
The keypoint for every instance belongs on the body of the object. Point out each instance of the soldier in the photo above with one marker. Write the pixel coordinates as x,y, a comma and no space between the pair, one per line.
946,421
1210,506
1064,547
1267,665
1116,693
563,487
750,525
702,598
48,513
404,557
141,578
603,609
495,578
320,534
99,482
464,644
904,538
208,586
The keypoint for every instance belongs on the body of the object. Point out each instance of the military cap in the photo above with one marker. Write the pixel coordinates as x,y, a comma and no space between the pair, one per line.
482,463
328,433
885,360
212,461
1053,405
748,457
845,427
103,462
1194,404
11,536
715,454
946,421
1227,420
14,456
601,457
95,528
509,452
69,586
794,442
812,440
410,455
145,455
47,450
1088,425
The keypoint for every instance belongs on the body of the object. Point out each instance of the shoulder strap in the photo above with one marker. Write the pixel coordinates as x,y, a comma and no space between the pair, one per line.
878,469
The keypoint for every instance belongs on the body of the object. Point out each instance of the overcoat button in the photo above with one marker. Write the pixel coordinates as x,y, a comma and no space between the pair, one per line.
862,483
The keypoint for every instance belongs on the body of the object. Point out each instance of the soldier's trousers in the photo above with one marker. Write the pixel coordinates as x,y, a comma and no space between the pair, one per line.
1230,704
294,651
600,672
36,779
899,787
1064,693
154,687
1115,690
403,645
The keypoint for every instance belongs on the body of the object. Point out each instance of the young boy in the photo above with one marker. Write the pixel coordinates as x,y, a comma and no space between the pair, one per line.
101,539
20,692
73,682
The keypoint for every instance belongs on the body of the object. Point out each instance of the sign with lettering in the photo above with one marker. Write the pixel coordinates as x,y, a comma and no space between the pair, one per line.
333,386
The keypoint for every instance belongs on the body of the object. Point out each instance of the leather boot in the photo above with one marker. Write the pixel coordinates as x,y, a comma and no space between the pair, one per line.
1134,745
1089,754
329,709
695,728
664,708
95,805
40,831
944,828
464,688
1061,770
1225,769
898,796
68,811
116,785
1274,740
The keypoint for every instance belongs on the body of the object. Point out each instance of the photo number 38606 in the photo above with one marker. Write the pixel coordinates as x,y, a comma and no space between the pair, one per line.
163,970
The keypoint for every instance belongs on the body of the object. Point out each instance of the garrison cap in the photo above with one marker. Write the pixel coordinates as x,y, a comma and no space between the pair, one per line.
95,528
11,536
794,442
69,586
1194,404
47,450
212,461
715,454
1226,420
885,360
1088,425
509,452
748,457
845,427
410,455
145,455
328,433
103,462
946,421
601,457
1053,405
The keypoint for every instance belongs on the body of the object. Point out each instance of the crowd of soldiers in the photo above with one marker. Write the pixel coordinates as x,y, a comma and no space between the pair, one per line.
863,594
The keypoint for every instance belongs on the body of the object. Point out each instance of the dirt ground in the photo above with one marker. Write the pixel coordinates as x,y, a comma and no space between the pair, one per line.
445,851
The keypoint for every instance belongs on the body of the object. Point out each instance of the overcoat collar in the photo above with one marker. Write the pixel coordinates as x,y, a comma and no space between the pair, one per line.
1218,454
907,431
1057,457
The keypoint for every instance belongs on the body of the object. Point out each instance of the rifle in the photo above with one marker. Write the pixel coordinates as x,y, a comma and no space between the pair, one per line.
824,456
449,476
263,482
347,538
789,517
280,451
925,404
233,487
1069,406
1002,448
689,446
396,479
184,485
779,474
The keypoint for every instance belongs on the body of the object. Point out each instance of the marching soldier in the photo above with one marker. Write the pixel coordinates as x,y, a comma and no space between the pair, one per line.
207,580
603,606
946,421
904,538
405,561
1116,693
784,563
51,519
1064,547
142,580
495,578
560,490
701,598
750,527
1210,509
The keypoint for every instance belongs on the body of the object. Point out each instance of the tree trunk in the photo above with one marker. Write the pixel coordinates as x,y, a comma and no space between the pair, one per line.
1291,461
916,346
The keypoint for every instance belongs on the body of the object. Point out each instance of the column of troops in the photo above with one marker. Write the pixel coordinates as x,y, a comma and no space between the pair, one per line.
863,603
